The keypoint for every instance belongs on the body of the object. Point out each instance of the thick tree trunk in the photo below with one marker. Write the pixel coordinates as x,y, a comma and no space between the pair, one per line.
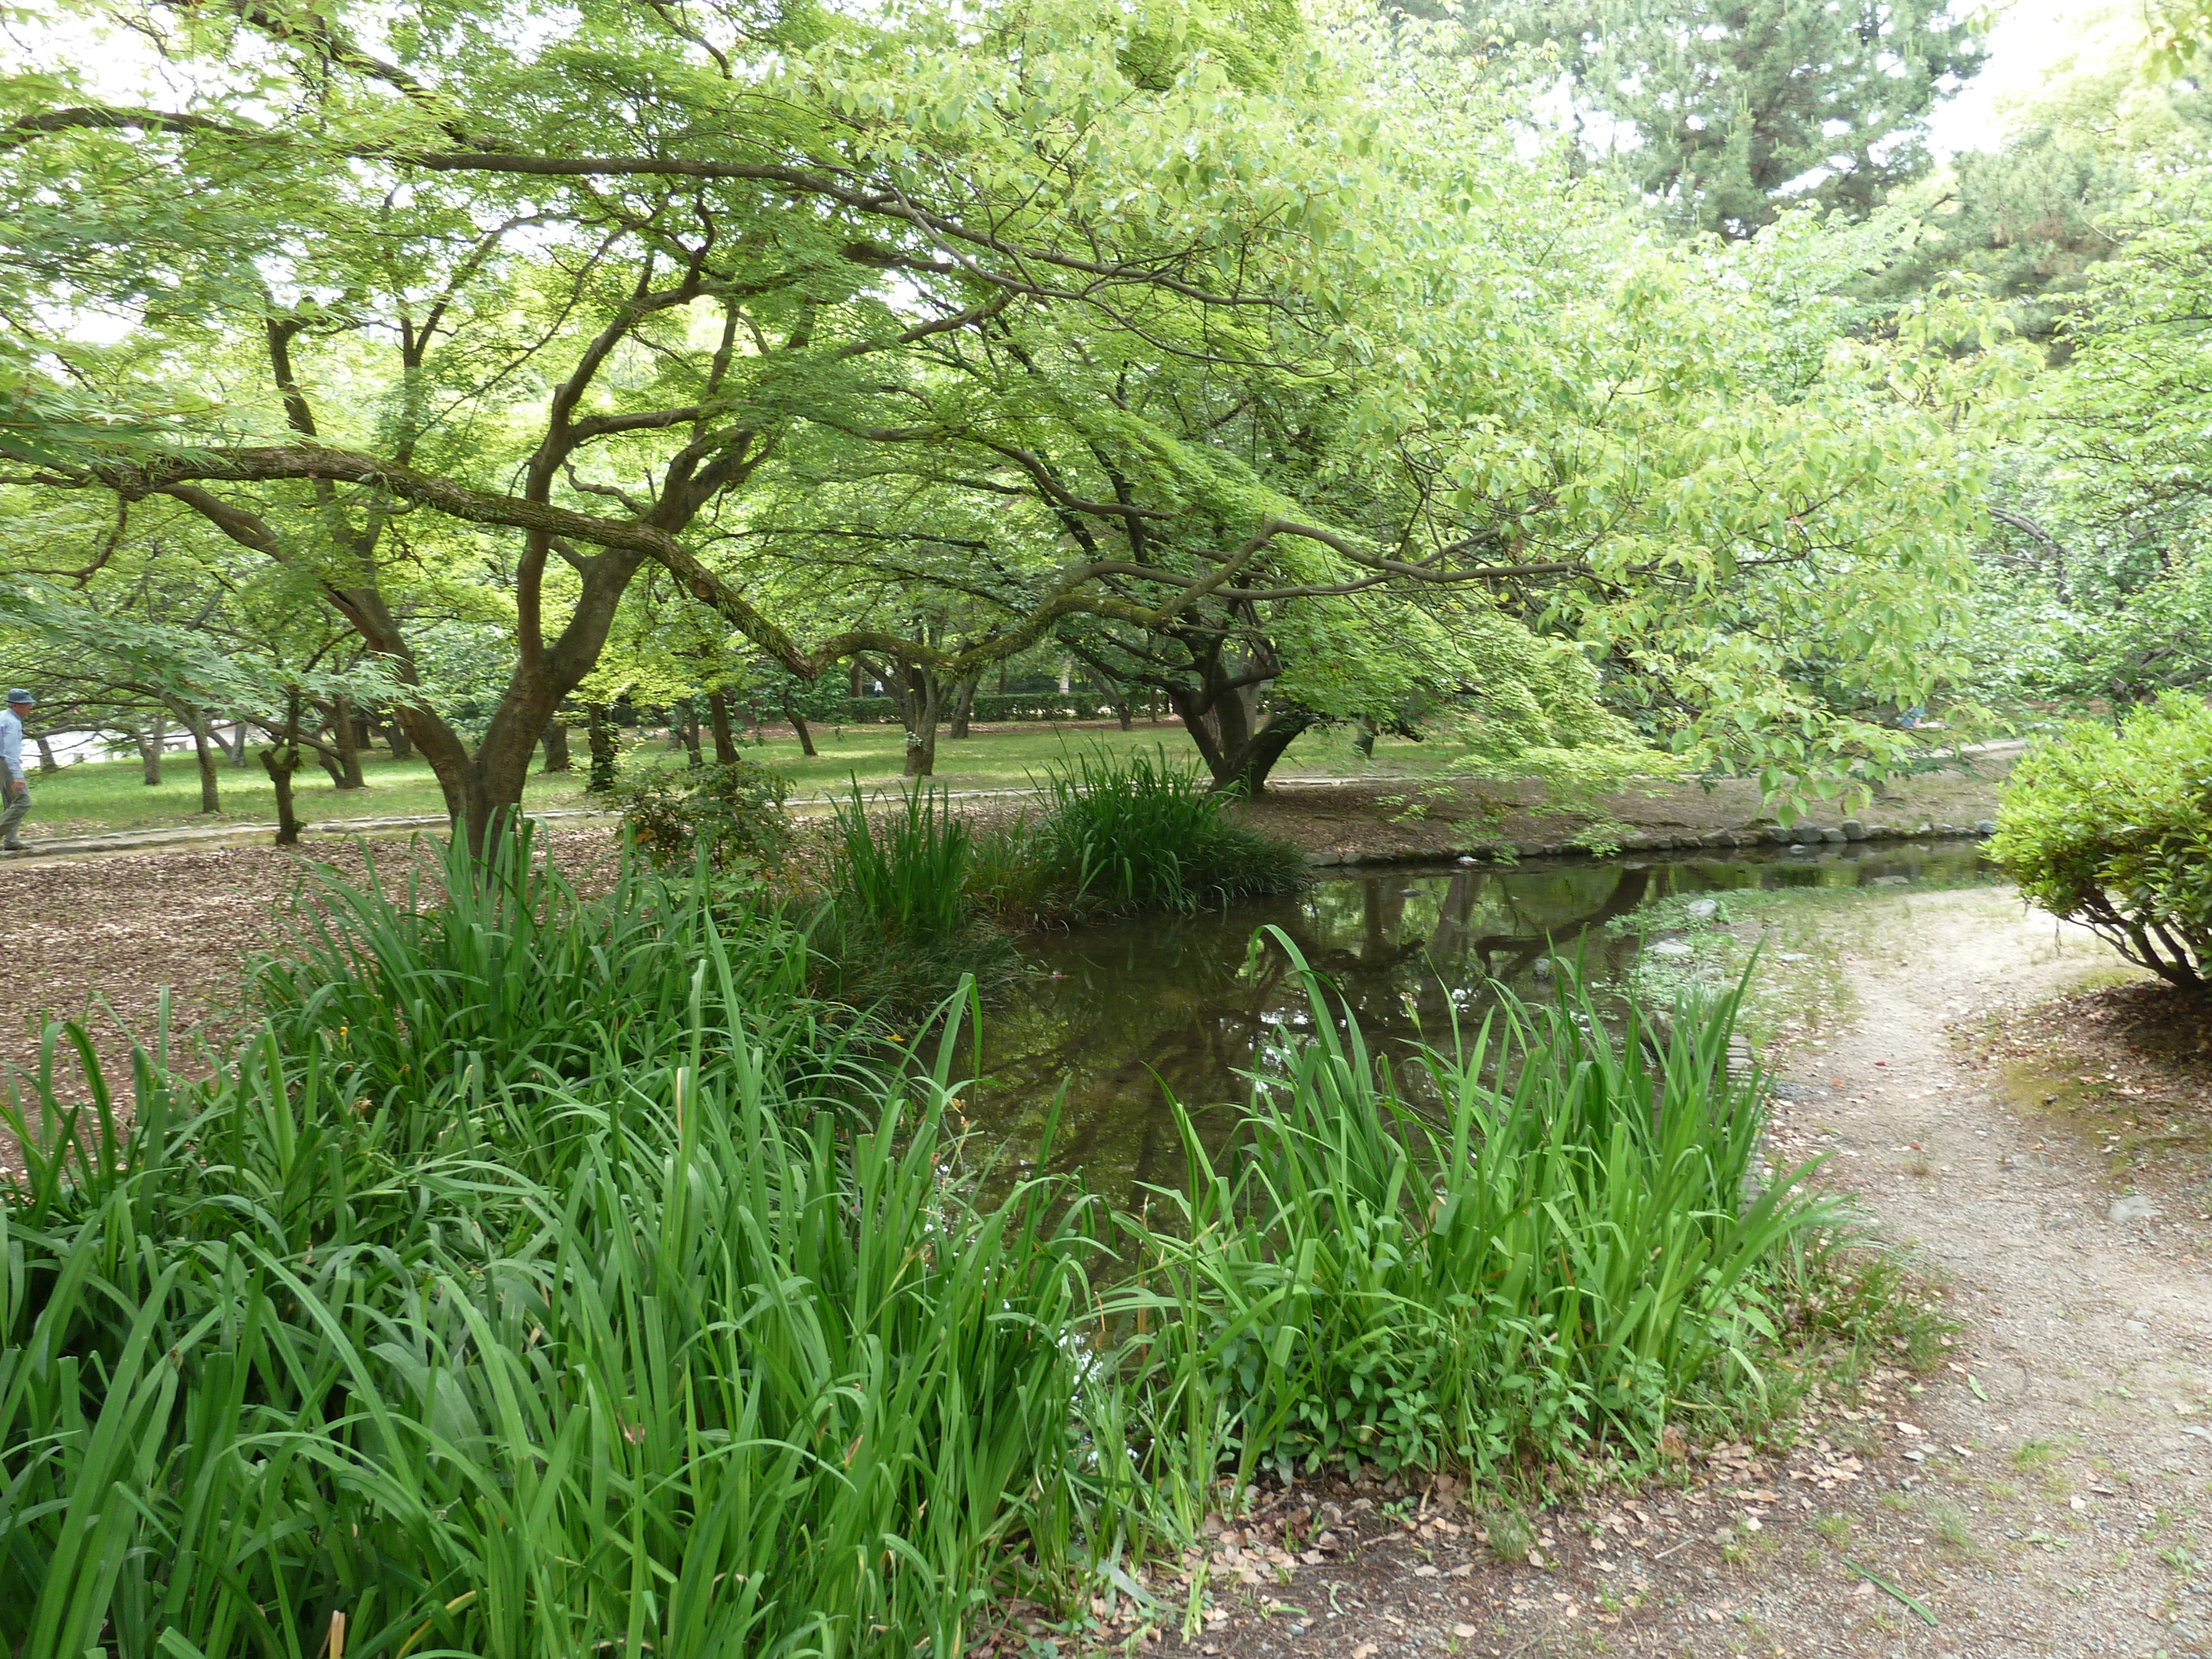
403,746
1123,712
345,739
798,725
717,717
599,728
211,775
46,760
964,701
921,700
1240,743
281,760
920,695
241,748
554,738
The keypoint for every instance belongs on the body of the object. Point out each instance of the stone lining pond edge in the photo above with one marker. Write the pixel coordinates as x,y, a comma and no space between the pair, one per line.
1851,831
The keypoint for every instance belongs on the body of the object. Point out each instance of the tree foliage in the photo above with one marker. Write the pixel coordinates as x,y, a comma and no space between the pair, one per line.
1724,112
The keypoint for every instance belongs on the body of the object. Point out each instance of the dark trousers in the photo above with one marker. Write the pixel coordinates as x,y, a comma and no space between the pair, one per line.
13,816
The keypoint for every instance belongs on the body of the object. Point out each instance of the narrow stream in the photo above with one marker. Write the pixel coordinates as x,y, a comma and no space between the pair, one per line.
1117,1012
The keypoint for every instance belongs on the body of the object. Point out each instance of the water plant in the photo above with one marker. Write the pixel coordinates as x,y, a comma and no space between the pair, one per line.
1542,1235
1139,832
905,870
549,1274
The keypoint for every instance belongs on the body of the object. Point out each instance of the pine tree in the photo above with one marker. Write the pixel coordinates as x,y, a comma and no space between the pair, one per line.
1725,112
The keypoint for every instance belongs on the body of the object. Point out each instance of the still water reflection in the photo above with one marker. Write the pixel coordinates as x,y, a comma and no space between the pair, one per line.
1119,1010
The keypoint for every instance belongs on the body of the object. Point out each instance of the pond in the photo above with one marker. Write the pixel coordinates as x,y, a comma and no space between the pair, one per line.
1115,1012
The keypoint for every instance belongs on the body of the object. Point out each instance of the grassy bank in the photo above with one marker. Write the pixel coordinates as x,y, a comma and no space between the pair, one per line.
549,1272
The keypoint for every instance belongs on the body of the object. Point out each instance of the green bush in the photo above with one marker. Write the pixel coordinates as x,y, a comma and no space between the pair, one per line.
1452,1272
2113,829
1139,832
733,815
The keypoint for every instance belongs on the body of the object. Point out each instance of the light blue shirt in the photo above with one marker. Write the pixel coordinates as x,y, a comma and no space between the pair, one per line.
11,742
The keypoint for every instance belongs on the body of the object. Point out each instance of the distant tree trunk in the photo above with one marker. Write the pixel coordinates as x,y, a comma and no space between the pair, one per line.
205,746
403,746
149,737
853,678
1122,710
717,717
690,732
1363,744
798,725
345,738
555,739
46,760
210,776
964,701
241,750
601,731
919,697
280,761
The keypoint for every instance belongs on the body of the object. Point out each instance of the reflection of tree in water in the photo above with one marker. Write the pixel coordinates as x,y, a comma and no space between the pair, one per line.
1168,1001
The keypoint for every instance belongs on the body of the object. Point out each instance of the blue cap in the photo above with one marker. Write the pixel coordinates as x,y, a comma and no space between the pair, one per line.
20,695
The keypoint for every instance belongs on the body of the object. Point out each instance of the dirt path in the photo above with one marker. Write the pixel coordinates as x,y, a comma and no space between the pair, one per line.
2047,1492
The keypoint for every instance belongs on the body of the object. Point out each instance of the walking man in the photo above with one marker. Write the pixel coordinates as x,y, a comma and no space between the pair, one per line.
14,793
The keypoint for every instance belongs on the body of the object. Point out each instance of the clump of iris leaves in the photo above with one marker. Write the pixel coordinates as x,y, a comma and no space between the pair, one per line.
550,1273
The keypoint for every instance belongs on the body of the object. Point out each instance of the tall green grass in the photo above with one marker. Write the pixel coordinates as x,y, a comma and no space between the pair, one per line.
900,930
906,870
573,1337
1139,832
1539,1236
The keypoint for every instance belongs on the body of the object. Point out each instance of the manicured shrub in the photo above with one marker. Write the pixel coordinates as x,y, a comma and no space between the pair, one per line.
1139,832
2113,829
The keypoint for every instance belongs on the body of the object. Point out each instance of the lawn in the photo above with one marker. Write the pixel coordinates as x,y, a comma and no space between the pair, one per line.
111,795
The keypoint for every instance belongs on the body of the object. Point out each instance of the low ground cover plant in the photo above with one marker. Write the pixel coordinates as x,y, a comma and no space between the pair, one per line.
2112,829
730,815
553,1273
